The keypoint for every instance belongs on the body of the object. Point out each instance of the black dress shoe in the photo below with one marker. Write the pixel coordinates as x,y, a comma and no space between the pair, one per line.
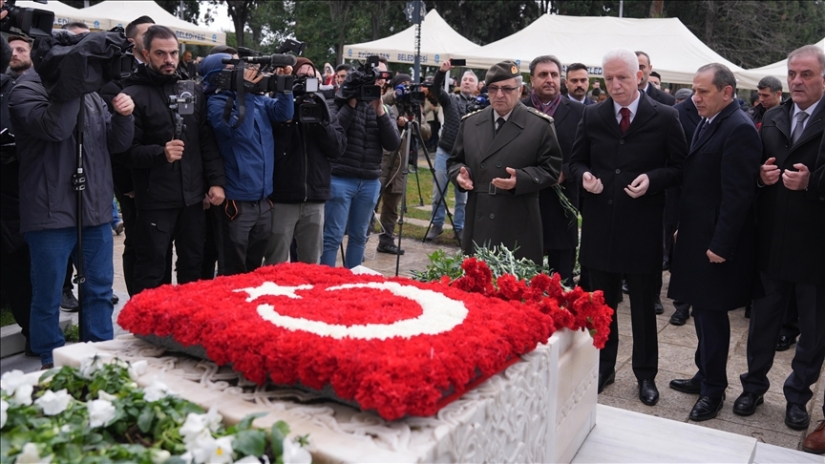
706,407
648,392
679,317
746,404
68,302
784,343
390,249
796,417
606,379
658,306
686,386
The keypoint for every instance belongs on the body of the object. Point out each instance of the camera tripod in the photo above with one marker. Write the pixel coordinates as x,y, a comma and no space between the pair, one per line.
413,129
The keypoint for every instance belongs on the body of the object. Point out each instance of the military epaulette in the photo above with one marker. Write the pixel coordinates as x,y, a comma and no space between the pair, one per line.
540,114
470,114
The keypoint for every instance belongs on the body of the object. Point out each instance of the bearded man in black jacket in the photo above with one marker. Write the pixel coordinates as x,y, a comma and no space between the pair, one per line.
170,176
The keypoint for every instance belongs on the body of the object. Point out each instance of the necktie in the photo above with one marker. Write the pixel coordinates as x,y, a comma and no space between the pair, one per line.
702,130
499,123
800,126
625,122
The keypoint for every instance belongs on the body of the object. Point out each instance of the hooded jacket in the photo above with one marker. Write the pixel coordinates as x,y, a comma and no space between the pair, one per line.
158,183
46,150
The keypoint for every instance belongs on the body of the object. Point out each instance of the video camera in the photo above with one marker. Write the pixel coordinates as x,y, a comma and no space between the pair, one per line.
28,21
310,107
360,84
232,79
409,98
482,101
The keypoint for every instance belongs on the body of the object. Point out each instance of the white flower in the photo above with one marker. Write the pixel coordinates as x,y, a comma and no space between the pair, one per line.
160,456
106,396
23,394
19,386
194,427
31,455
213,419
100,413
54,403
156,391
294,453
136,369
92,364
206,449
248,460
4,406
66,428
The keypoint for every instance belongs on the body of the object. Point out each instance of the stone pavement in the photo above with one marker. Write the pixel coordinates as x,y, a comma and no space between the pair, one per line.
676,349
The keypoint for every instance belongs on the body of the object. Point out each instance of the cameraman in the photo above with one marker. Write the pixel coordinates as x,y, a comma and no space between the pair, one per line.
392,175
170,175
302,177
355,181
248,153
454,107
46,149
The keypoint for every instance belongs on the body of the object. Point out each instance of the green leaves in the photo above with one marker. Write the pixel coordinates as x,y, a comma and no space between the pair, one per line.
441,264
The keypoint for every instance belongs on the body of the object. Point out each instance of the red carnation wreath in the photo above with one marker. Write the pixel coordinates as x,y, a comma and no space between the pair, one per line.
396,346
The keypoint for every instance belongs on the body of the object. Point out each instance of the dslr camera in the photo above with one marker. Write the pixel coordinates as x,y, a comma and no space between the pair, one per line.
28,21
360,84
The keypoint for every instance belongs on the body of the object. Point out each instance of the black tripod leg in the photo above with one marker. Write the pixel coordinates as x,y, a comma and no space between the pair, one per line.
441,200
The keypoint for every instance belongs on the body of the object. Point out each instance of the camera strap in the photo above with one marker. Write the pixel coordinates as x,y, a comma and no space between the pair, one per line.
230,103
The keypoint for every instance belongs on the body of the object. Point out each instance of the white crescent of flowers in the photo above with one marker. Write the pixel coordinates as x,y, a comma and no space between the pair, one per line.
439,313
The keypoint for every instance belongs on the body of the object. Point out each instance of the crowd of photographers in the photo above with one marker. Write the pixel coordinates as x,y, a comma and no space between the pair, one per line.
253,160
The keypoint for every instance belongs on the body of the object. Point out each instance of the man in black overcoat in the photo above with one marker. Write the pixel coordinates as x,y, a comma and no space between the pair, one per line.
560,226
649,89
714,257
791,229
628,150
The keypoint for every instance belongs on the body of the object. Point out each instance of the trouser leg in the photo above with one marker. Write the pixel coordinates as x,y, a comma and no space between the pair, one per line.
643,322
714,339
810,349
611,285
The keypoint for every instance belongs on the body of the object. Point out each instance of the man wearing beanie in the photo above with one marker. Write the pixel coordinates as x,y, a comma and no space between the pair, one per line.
503,156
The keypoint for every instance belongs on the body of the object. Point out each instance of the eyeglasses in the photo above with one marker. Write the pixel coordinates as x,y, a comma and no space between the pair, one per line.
494,89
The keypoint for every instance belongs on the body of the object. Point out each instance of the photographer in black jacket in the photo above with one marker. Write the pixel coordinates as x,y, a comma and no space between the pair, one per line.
302,177
170,176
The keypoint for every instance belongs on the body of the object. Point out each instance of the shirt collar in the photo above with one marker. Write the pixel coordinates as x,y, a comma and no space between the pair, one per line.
633,106
810,110
506,116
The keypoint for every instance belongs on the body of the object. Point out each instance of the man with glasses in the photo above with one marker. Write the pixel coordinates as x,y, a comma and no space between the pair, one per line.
504,155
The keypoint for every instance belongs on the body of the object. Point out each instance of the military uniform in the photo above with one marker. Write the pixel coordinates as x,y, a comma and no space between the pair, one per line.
526,142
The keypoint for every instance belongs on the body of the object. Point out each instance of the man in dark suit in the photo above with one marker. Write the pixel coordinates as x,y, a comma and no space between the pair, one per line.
561,231
504,155
646,87
714,256
690,119
628,150
791,211
578,81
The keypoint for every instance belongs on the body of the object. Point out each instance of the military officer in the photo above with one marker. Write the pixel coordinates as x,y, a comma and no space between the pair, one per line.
504,155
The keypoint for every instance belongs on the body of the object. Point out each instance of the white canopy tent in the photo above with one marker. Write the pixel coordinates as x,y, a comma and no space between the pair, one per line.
122,13
439,42
750,77
674,51
64,14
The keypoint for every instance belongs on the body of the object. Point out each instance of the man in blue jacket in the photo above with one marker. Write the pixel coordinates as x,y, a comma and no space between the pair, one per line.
248,152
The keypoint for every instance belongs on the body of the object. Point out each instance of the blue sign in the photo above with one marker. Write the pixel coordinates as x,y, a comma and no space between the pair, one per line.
437,59
349,52
214,37
97,24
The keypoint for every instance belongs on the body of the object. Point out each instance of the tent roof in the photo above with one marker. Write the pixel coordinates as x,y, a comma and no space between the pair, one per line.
122,13
674,51
750,77
64,14
439,42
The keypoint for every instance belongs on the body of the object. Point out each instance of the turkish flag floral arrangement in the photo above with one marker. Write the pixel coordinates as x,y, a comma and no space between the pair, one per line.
396,346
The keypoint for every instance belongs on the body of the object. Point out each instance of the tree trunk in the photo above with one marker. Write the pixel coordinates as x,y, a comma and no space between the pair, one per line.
710,13
657,8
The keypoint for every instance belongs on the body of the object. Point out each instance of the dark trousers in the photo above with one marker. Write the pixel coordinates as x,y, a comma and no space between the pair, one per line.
212,248
765,324
790,324
713,332
245,230
155,230
17,286
642,318
128,214
561,261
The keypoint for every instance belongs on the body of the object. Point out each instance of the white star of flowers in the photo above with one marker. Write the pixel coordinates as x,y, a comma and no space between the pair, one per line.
271,288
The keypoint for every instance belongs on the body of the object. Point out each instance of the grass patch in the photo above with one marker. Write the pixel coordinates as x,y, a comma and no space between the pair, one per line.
6,317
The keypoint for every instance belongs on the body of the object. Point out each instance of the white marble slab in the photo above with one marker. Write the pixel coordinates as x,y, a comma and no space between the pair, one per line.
771,454
623,436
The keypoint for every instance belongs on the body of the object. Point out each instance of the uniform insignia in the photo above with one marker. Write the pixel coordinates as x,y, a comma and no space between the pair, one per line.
470,114
540,114
514,70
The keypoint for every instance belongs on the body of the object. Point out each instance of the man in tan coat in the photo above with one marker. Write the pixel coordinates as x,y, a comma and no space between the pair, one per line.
503,156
